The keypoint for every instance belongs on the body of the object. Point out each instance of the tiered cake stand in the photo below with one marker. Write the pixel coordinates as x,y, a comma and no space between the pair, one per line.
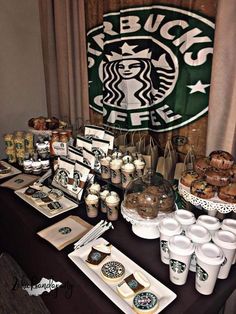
211,205
144,228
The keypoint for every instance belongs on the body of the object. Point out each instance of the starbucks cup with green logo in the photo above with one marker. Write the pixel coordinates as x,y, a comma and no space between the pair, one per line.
230,225
198,235
168,227
209,260
180,251
226,240
212,224
185,218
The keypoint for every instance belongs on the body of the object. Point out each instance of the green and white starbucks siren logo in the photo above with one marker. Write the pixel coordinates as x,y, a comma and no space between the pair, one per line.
149,68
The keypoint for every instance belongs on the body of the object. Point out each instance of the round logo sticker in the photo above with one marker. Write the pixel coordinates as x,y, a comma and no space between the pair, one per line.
150,67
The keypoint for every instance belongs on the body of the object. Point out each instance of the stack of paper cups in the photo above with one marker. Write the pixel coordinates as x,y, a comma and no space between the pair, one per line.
209,259
168,227
230,225
180,250
185,218
198,235
226,240
210,223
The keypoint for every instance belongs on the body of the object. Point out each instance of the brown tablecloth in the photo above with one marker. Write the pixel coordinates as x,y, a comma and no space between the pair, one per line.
19,223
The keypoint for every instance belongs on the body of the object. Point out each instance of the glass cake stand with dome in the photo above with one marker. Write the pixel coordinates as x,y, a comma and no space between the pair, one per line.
147,200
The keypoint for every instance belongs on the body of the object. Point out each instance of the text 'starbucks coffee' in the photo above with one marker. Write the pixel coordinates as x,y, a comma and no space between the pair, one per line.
150,67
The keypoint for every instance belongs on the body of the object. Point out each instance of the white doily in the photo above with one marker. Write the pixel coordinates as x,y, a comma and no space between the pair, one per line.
134,218
210,204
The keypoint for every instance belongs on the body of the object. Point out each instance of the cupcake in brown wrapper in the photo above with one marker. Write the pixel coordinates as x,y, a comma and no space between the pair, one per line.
221,160
217,177
202,189
228,193
201,165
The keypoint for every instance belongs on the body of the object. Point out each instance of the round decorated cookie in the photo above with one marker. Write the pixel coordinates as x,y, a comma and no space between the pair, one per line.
145,302
113,271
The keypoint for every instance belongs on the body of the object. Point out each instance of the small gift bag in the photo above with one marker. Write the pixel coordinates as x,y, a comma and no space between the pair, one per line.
152,150
189,160
131,147
140,144
166,165
123,142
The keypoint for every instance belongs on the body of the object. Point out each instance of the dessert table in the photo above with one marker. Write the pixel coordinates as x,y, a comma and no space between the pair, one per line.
19,223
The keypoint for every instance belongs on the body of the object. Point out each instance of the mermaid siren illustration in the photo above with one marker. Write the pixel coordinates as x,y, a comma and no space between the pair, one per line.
138,78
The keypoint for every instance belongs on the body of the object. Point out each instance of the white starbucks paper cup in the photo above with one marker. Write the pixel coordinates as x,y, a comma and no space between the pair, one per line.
209,259
226,240
168,227
230,225
185,218
180,250
198,235
212,224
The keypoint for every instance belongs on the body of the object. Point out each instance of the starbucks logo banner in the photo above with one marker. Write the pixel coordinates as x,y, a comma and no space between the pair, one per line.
149,68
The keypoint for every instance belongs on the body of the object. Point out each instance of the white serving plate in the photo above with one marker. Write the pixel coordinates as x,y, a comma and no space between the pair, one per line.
164,294
66,203
13,171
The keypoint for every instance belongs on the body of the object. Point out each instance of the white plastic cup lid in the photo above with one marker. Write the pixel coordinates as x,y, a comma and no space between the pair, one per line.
180,244
210,254
225,239
229,224
209,222
198,234
170,226
185,217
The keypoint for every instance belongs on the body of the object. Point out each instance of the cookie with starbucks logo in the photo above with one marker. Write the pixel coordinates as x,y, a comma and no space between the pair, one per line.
112,271
145,302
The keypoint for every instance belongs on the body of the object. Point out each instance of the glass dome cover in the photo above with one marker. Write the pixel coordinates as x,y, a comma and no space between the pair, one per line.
148,195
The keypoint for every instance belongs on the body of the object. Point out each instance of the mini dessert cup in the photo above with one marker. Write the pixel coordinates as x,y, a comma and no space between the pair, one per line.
105,167
139,167
92,202
112,203
103,196
127,174
115,166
